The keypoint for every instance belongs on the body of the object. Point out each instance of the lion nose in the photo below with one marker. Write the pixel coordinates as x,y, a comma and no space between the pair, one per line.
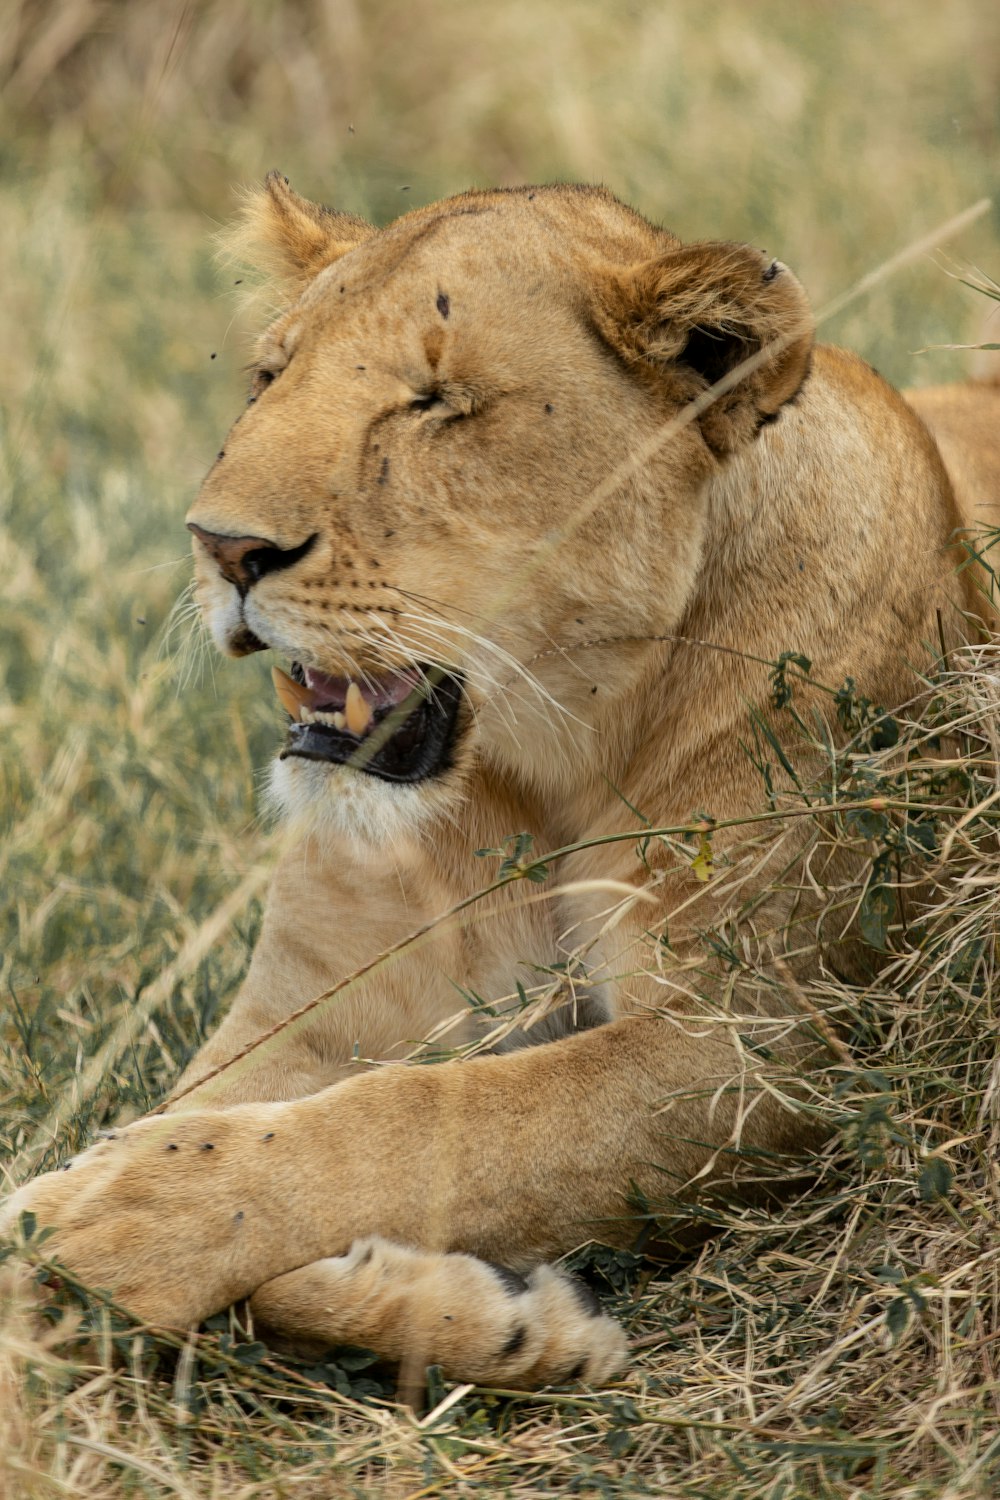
244,560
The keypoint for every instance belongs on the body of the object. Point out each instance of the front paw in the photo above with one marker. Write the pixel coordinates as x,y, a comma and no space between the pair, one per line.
175,1217
478,1321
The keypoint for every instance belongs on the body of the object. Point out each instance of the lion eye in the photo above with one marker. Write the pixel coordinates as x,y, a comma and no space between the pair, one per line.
448,407
260,379
426,401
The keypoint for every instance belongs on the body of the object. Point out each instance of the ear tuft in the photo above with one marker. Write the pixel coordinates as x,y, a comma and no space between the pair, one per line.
286,238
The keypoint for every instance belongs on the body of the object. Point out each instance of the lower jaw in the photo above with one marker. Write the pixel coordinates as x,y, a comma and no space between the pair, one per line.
317,801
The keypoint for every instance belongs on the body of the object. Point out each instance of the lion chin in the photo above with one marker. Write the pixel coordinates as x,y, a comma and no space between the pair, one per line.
330,803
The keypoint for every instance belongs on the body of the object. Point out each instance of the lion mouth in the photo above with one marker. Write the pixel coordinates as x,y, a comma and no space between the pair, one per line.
399,726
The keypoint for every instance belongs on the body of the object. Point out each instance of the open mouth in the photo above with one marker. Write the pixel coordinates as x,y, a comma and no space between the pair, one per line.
399,726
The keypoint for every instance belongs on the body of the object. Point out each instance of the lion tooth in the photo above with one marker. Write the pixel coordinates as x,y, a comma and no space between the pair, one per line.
333,720
357,714
292,696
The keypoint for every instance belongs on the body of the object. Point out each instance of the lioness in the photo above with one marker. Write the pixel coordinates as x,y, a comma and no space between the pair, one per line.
529,494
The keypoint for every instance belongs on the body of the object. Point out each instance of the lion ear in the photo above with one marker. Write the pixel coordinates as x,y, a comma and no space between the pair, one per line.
287,237
707,313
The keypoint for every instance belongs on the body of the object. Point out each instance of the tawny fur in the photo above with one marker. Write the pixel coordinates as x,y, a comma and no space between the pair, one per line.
501,532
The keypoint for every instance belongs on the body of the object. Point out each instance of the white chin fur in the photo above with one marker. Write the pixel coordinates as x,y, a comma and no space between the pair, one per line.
330,799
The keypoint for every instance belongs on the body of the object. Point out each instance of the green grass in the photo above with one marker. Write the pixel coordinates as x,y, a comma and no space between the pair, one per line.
845,1346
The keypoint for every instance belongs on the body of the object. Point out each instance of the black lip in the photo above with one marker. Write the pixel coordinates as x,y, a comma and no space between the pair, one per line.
400,749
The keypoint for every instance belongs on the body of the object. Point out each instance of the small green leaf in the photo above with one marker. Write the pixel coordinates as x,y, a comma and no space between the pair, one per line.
923,835
897,1315
866,822
917,1298
850,708
250,1354
878,911
624,1409
935,1179
349,1358
884,733
620,1442
437,1387
781,691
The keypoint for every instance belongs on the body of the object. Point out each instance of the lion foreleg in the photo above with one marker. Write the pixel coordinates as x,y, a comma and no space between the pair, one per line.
515,1158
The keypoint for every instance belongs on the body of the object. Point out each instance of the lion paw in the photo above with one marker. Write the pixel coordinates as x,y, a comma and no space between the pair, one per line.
172,1216
479,1321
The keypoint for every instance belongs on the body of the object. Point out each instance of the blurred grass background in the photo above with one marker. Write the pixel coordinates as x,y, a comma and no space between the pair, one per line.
829,133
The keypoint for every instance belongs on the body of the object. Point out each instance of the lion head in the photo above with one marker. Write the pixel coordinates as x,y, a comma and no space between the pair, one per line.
477,451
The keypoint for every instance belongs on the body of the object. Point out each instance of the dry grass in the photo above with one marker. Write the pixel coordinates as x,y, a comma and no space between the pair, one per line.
847,1345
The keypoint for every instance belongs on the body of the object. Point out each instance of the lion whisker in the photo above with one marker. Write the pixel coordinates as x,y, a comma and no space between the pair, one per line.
383,631
503,656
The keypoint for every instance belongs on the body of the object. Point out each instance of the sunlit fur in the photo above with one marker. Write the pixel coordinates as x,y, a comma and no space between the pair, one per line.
495,418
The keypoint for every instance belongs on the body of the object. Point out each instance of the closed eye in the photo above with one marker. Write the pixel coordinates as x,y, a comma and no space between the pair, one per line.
261,376
427,400
259,381
451,403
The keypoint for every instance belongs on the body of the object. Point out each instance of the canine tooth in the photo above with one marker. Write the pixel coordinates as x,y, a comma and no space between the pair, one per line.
306,716
357,714
291,695
339,722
